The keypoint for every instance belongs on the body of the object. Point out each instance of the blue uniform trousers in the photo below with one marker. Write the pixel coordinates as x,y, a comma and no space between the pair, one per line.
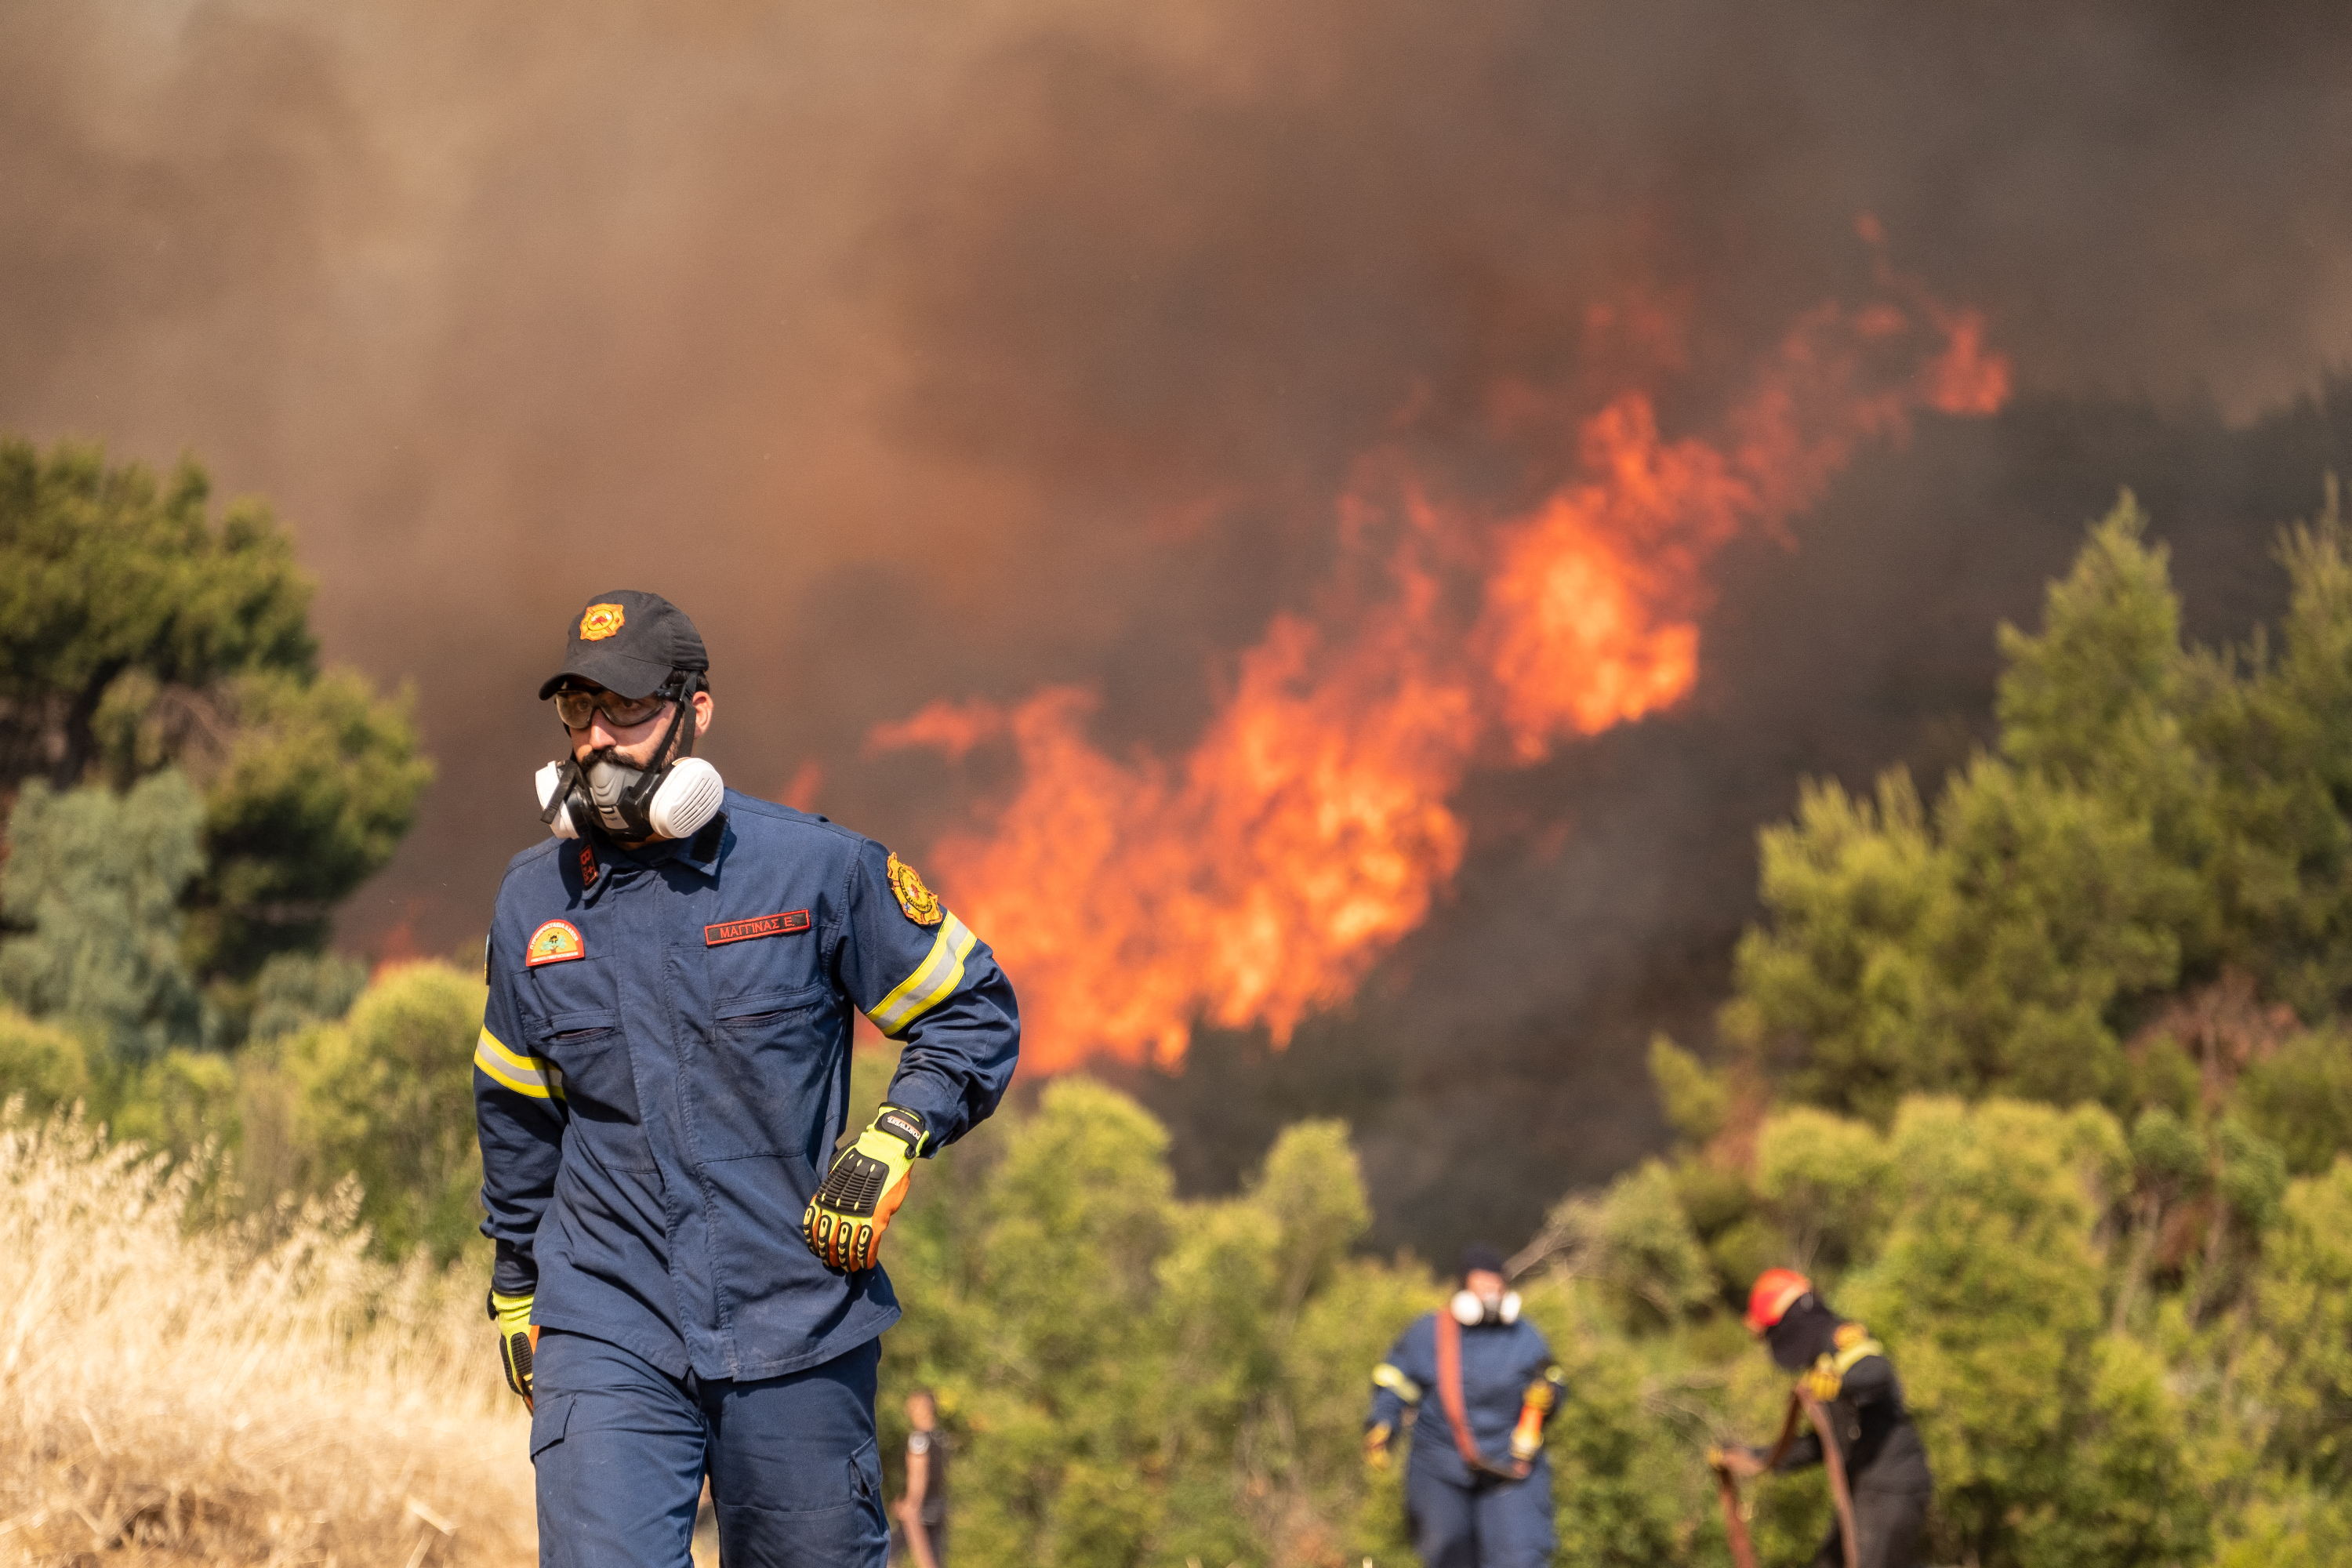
1490,1523
621,1447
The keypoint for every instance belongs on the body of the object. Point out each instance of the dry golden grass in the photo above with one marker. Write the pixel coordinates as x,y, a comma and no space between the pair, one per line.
169,1396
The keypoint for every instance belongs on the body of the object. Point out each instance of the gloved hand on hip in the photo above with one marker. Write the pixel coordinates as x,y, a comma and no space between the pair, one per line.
518,1340
843,1224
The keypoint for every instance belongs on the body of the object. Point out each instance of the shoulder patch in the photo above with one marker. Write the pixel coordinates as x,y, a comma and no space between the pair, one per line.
553,944
919,904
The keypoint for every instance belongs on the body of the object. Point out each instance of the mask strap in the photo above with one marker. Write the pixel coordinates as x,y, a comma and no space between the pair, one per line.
693,684
565,782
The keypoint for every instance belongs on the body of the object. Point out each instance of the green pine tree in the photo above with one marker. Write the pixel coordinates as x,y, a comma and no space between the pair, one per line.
94,880
139,633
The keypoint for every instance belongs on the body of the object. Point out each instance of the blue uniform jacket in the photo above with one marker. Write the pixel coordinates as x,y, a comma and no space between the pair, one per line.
664,1069
1498,1362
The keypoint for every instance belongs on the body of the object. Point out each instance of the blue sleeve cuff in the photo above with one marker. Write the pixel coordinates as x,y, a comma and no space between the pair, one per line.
515,1273
942,1114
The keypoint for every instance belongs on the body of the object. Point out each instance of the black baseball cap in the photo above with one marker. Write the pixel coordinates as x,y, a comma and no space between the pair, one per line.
628,643
1478,1256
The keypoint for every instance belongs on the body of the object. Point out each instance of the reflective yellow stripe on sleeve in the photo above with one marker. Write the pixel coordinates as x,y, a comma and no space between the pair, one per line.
1397,1382
933,982
524,1075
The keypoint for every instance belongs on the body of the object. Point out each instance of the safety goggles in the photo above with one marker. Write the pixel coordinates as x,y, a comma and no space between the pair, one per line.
576,707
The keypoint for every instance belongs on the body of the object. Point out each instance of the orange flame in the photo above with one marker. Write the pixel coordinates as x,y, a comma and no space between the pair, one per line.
1308,830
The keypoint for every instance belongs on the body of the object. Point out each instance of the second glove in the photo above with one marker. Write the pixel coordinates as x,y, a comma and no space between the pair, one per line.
1527,1438
844,1223
518,1340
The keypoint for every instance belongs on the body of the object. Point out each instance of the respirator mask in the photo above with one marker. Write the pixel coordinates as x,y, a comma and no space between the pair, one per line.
1472,1311
671,799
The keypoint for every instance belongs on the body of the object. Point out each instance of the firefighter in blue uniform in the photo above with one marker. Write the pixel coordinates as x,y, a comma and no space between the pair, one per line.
1477,1487
687,1281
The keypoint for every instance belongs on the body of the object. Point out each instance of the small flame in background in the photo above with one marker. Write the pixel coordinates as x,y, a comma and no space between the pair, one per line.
1259,878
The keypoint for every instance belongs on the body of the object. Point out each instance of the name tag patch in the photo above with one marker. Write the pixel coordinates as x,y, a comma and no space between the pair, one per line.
553,944
757,926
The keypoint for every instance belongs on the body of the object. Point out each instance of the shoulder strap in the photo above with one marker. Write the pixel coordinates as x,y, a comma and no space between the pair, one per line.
1449,1389
1457,1410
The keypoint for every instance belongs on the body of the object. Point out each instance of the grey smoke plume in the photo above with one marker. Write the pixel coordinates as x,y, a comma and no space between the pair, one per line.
949,350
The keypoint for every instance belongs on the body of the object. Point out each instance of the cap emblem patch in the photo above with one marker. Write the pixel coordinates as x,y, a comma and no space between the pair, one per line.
553,944
919,904
601,621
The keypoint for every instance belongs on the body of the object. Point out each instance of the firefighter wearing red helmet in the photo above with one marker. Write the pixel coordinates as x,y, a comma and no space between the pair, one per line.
1841,1365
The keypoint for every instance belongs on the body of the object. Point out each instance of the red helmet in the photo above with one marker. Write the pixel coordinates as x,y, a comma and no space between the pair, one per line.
1776,1290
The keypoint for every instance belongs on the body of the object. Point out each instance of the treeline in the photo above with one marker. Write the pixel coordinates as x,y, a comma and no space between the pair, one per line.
1140,1380
188,794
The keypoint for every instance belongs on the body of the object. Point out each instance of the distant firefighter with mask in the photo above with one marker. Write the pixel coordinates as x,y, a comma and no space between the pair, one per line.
687,1279
1844,1373
1478,1486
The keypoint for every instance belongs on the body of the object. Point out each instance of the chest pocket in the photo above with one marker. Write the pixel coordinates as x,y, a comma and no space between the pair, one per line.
599,1082
769,1060
581,985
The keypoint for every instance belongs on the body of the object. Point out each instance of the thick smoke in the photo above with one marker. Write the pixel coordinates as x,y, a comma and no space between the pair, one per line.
950,351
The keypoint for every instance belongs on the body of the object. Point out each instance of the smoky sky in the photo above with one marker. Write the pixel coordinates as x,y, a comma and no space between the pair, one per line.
947,351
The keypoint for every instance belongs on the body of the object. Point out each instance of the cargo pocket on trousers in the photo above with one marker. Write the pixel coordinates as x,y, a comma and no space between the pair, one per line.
865,1473
549,1417
818,1524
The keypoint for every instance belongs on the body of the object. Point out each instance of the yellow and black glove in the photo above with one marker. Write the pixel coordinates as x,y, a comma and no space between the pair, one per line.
1527,1438
1823,1379
843,1224
518,1340
1376,1448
